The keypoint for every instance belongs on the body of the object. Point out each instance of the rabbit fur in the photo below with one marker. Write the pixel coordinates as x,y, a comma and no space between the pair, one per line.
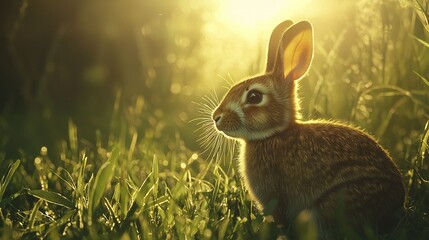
333,170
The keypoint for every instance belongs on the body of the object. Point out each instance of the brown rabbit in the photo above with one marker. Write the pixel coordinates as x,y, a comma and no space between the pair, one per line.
320,166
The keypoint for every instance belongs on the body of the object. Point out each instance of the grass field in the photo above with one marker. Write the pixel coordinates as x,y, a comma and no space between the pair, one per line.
137,170
135,188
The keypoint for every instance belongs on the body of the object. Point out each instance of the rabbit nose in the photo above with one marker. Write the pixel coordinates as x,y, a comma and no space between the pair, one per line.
217,119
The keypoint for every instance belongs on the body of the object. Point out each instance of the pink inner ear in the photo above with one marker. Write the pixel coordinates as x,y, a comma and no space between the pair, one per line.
291,75
301,65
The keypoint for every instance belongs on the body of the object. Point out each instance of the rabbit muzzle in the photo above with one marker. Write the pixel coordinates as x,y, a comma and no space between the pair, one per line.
228,120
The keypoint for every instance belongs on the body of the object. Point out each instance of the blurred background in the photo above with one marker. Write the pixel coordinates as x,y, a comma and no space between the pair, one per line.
114,67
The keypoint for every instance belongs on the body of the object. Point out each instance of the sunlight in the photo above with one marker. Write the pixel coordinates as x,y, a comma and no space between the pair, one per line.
237,33
254,14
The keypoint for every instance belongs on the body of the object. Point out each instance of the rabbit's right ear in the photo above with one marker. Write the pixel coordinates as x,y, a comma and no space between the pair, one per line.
295,52
274,43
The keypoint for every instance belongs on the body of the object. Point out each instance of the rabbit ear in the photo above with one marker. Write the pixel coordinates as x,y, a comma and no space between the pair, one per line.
273,46
295,52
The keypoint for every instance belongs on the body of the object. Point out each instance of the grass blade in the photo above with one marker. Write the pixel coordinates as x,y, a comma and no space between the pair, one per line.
158,201
80,179
422,78
424,145
426,44
52,197
67,218
8,177
155,176
101,181
33,214
111,211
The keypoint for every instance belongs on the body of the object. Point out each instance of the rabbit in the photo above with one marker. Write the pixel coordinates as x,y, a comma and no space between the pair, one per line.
289,166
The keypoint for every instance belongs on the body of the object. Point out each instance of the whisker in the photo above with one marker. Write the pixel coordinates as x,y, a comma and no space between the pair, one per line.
204,128
207,141
207,133
229,81
212,102
232,82
206,106
223,78
213,143
200,119
226,87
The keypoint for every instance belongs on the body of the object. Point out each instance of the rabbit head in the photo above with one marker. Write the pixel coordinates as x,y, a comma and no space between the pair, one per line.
261,106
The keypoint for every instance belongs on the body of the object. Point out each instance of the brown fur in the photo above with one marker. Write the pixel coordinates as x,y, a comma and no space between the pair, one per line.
334,170
338,159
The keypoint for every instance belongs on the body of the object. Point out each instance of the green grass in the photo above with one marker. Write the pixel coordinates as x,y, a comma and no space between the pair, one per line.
138,191
134,191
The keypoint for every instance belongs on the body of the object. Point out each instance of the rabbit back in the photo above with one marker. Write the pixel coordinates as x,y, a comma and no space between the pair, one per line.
322,166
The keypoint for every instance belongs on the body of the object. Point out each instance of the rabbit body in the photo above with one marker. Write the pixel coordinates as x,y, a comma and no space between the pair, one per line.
316,165
330,169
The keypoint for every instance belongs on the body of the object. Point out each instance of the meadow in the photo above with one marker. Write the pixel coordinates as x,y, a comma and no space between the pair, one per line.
105,110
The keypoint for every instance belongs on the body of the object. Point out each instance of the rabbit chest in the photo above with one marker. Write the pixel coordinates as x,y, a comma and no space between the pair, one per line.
280,175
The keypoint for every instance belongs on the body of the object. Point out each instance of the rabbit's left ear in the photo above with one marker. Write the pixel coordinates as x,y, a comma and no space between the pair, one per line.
273,46
295,52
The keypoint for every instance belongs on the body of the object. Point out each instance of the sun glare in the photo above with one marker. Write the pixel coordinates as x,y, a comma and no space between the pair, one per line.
251,14
238,31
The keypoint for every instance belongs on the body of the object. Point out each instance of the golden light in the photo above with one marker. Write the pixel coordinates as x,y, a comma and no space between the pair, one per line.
255,14
237,32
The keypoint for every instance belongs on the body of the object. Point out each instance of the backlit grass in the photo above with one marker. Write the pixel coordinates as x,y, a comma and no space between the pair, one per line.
135,190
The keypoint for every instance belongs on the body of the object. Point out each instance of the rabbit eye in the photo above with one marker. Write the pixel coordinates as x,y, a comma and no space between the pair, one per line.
254,97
